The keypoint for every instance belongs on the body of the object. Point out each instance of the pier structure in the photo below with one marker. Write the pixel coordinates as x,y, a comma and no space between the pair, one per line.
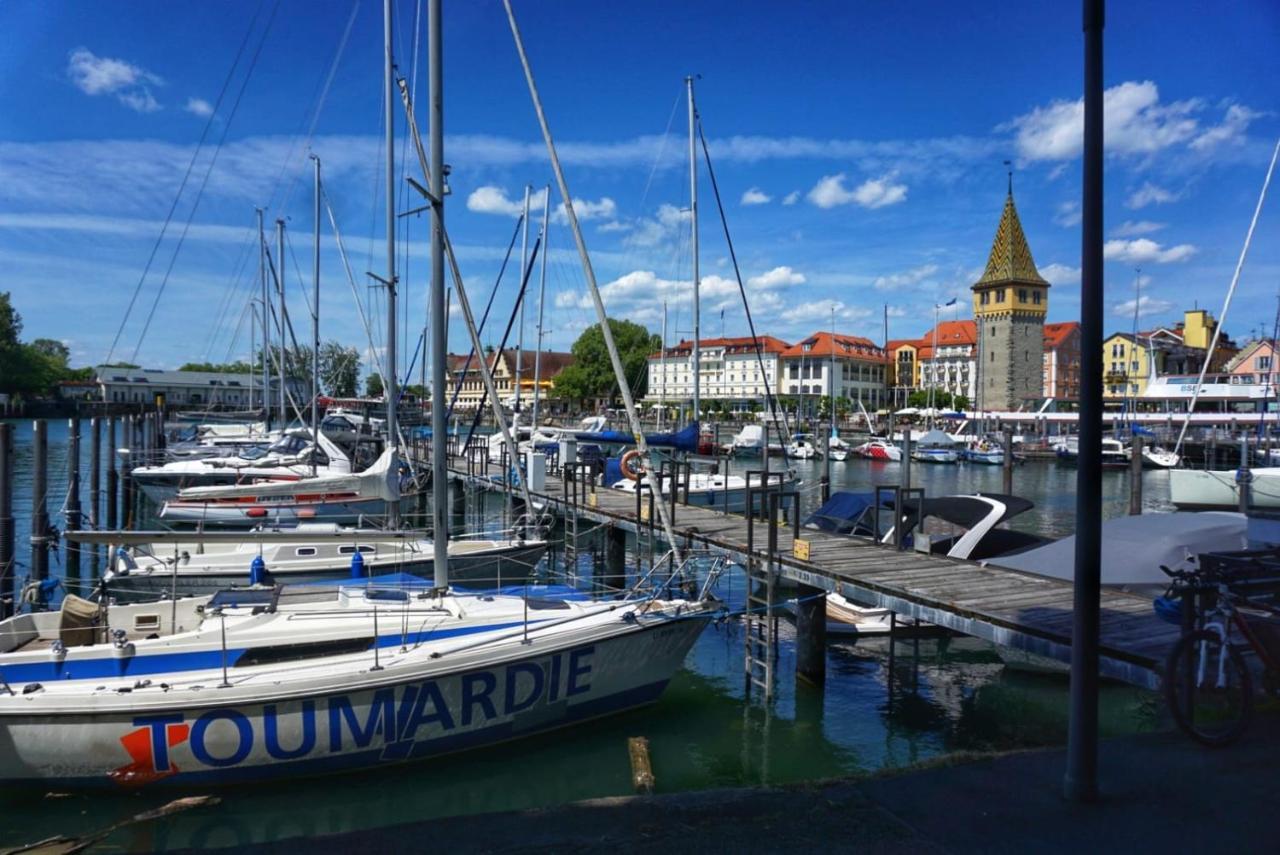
1014,609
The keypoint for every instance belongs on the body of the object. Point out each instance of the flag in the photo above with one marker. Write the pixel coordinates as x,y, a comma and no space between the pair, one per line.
950,302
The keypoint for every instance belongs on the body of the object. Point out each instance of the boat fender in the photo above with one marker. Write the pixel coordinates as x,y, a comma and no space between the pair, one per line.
258,571
357,565
631,465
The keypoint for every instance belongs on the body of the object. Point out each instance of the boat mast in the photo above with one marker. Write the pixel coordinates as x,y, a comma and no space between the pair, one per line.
542,296
284,419
315,319
266,322
933,381
439,427
253,340
662,362
389,372
524,261
693,248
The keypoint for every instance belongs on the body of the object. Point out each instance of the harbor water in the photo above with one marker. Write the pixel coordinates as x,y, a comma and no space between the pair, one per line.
941,696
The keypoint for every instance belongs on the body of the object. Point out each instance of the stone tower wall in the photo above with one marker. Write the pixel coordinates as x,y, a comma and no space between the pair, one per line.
1012,354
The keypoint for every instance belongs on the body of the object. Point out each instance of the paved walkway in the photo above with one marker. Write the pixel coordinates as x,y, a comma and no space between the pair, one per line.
1161,792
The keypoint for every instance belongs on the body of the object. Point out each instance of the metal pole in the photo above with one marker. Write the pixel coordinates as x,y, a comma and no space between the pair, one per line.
524,263
662,380
389,381
266,324
542,296
315,318
693,249
1080,782
439,427
95,474
284,315
1244,477
113,492
1008,461
6,519
73,513
39,492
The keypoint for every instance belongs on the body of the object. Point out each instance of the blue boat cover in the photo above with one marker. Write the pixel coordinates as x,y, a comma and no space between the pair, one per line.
842,512
685,439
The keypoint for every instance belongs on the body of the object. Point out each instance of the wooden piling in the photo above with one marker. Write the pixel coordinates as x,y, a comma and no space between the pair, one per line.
95,481
1135,475
641,768
615,557
1008,461
906,455
6,519
39,494
113,478
74,516
126,480
811,635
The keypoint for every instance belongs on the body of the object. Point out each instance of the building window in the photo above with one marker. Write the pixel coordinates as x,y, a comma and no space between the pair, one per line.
984,298
1262,363
1035,297
1022,295
999,295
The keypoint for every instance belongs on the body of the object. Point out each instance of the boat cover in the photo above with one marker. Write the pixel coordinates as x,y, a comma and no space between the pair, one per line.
685,439
841,513
1133,548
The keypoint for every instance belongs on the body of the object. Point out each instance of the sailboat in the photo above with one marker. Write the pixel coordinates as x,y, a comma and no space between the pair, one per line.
266,697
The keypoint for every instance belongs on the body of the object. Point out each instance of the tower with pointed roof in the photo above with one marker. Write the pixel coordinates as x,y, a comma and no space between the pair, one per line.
1009,306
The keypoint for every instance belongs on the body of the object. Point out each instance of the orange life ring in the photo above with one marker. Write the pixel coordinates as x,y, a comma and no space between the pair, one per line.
630,465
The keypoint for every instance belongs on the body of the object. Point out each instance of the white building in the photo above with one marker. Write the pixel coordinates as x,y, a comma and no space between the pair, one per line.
953,365
188,388
845,366
731,371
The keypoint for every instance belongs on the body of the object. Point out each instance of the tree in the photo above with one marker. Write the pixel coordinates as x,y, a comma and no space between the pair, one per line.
10,323
339,369
53,349
219,367
373,386
591,374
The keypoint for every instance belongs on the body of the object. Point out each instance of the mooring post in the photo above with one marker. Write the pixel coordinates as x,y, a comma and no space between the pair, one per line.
811,635
95,481
74,515
906,456
39,510
113,479
1135,475
1008,461
126,481
615,558
6,519
1244,477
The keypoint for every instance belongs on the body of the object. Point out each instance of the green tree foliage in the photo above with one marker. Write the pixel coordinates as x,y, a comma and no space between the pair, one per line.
220,367
339,369
591,374
373,386
33,368
942,400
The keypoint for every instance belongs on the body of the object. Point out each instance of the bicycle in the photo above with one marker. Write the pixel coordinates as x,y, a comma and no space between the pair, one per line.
1208,684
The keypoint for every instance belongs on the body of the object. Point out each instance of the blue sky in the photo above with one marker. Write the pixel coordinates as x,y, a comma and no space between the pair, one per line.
859,149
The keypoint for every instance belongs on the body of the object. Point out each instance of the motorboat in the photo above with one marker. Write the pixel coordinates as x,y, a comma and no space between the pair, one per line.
311,552
1135,547
295,455
963,526
837,449
935,447
802,447
1114,454
712,489
983,451
277,682
879,449
1209,489
1155,457
748,442
343,499
218,440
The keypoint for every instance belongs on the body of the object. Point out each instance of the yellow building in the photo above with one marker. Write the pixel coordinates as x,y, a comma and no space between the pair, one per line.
1129,362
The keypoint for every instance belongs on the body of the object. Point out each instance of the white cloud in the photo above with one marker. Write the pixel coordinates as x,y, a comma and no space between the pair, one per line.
1231,131
100,75
1145,305
1134,121
199,107
907,278
1143,250
778,277
1068,214
494,200
873,193
821,310
756,196
1135,228
614,226
1150,194
791,198
1060,274
661,227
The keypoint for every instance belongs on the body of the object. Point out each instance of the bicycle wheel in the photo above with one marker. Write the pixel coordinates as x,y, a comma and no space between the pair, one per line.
1216,708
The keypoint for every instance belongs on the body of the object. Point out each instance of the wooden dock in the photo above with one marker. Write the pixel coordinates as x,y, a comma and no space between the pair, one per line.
1019,610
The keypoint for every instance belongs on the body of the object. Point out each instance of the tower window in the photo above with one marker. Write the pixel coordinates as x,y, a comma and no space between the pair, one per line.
999,295
1035,297
984,298
1022,295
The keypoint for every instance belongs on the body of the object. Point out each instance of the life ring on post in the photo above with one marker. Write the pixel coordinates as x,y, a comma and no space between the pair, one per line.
631,465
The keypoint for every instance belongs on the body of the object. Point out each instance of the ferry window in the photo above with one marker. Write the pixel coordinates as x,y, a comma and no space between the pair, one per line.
304,551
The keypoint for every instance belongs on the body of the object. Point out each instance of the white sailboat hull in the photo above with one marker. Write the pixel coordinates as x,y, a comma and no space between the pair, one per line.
1201,489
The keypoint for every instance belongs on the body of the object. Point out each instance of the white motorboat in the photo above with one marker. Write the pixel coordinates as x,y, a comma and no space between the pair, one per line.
802,447
935,447
1208,489
1155,457
1114,454
291,458
983,451
713,489
837,448
276,683
313,552
879,449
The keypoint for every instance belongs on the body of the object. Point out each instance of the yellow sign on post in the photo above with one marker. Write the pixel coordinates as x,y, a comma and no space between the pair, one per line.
800,549
644,512
591,500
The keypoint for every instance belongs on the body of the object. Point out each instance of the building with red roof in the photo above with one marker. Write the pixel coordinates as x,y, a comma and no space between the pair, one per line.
1062,360
734,370
847,366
